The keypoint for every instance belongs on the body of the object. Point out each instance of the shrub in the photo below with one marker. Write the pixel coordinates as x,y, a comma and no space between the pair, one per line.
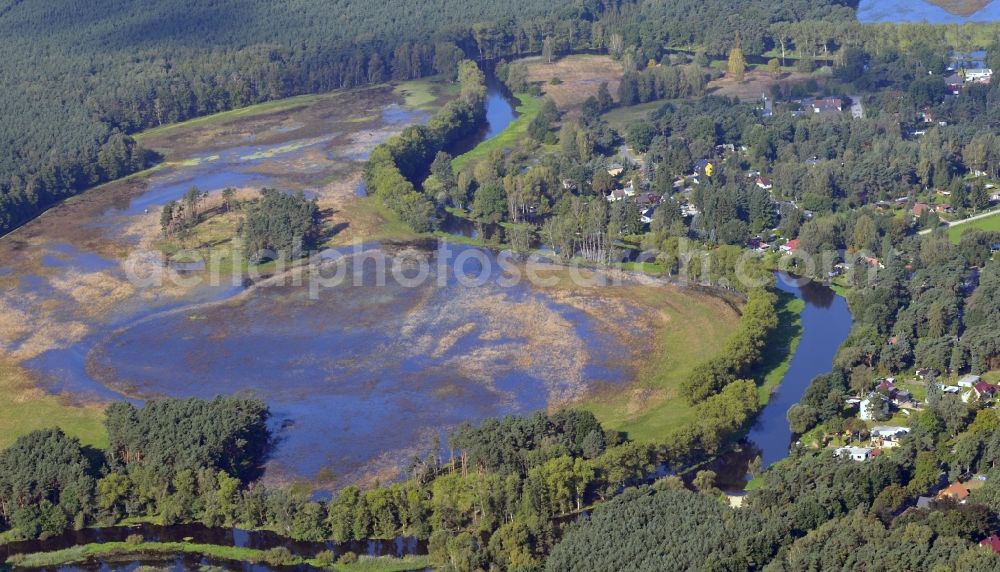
279,556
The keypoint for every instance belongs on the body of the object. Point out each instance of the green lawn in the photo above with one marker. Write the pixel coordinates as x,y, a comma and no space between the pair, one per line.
620,118
26,408
528,109
424,93
988,223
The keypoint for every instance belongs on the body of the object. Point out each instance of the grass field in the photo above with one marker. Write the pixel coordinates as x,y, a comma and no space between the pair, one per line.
578,77
26,408
988,223
424,93
527,109
620,118
697,327
119,550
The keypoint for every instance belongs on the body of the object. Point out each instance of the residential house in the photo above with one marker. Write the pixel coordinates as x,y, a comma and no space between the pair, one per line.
978,75
955,491
828,105
855,453
955,83
790,246
764,183
969,380
904,400
960,491
704,167
615,169
616,195
873,407
943,208
993,543
887,436
768,110
647,200
688,209
920,209
981,391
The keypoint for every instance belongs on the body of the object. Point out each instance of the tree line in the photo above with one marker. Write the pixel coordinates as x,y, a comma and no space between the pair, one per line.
398,166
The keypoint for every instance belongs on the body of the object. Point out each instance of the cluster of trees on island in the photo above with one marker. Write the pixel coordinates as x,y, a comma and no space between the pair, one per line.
274,225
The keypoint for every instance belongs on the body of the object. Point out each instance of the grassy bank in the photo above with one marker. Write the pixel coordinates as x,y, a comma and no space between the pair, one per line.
527,109
695,327
120,550
25,408
782,344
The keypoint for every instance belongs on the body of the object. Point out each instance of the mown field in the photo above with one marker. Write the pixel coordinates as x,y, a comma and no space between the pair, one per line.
989,223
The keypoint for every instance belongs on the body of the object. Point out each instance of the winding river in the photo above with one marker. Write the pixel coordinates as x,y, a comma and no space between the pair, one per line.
826,322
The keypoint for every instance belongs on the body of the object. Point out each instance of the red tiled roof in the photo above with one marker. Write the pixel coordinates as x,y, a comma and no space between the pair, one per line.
983,387
993,543
956,491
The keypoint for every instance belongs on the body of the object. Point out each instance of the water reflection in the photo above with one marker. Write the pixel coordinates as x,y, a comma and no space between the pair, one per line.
826,323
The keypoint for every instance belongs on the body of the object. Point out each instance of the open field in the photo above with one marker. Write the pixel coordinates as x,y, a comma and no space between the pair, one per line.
755,84
988,223
579,78
25,408
620,118
690,328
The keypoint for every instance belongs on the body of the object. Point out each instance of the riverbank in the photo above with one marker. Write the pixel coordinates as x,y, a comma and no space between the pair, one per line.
119,551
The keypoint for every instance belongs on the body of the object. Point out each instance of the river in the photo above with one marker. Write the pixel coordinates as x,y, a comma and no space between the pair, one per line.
826,323
916,11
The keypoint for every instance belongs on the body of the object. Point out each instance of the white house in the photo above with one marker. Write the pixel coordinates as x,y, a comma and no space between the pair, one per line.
888,436
873,407
980,75
855,453
969,380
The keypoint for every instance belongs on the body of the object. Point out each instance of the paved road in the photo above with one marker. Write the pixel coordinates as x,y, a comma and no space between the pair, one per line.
965,220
